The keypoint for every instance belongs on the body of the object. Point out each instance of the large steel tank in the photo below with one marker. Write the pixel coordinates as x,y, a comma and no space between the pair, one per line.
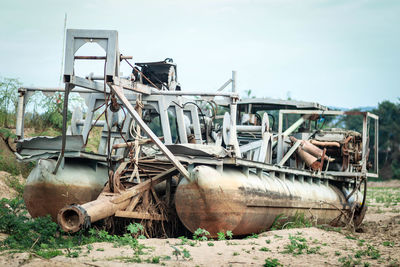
230,200
77,182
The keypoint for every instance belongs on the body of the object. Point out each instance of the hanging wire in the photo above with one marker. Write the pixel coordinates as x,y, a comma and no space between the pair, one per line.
141,73
201,112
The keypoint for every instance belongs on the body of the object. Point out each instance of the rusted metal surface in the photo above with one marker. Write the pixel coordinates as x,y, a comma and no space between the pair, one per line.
232,201
73,218
324,144
76,183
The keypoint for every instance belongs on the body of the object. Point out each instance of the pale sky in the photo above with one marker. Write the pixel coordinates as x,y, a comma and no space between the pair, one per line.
338,53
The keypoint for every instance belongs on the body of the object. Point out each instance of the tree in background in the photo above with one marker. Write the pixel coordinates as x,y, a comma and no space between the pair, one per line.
389,136
42,112
8,101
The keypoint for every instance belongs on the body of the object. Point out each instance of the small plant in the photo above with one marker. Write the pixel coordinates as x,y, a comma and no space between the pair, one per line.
186,254
155,259
299,220
192,243
210,244
176,252
252,236
269,262
370,251
298,245
349,261
236,253
73,254
201,235
351,237
221,236
388,243
229,234
14,183
48,254
361,242
268,241
264,249
135,228
184,240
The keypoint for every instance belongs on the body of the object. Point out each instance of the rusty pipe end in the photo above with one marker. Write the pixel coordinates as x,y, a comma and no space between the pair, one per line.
73,218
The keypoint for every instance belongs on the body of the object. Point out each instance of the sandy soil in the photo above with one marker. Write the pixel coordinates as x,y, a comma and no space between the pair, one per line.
380,230
5,190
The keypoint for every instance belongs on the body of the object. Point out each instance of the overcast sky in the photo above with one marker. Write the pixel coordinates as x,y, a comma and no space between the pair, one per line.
337,53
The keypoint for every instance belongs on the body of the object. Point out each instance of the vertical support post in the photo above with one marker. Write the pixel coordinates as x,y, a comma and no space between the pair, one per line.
245,170
364,144
232,129
234,81
60,159
196,123
165,122
279,153
180,118
259,172
20,113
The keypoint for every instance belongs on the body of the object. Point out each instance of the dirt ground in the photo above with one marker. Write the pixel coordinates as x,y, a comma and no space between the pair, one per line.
5,190
377,243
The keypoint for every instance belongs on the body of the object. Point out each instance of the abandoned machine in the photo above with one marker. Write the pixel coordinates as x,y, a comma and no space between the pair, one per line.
177,160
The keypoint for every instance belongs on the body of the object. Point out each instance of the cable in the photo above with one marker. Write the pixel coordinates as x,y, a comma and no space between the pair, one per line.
141,73
201,112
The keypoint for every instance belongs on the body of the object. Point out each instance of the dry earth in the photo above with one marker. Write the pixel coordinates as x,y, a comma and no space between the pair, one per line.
380,232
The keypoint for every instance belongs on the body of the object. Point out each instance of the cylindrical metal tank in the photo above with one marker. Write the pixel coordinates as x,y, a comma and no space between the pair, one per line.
78,182
230,200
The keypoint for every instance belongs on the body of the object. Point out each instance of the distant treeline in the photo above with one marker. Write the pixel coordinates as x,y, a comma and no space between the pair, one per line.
389,136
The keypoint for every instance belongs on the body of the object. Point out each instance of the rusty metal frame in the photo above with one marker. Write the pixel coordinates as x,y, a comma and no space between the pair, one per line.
365,135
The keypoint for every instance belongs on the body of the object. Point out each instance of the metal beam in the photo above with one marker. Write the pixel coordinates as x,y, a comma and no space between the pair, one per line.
120,94
290,152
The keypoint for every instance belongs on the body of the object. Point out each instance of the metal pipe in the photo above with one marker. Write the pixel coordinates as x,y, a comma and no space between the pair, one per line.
55,89
226,94
100,57
249,128
76,217
99,123
325,143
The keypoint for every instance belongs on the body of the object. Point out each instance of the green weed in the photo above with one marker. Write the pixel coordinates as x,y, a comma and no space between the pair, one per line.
269,262
298,245
42,236
388,243
299,220
201,235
